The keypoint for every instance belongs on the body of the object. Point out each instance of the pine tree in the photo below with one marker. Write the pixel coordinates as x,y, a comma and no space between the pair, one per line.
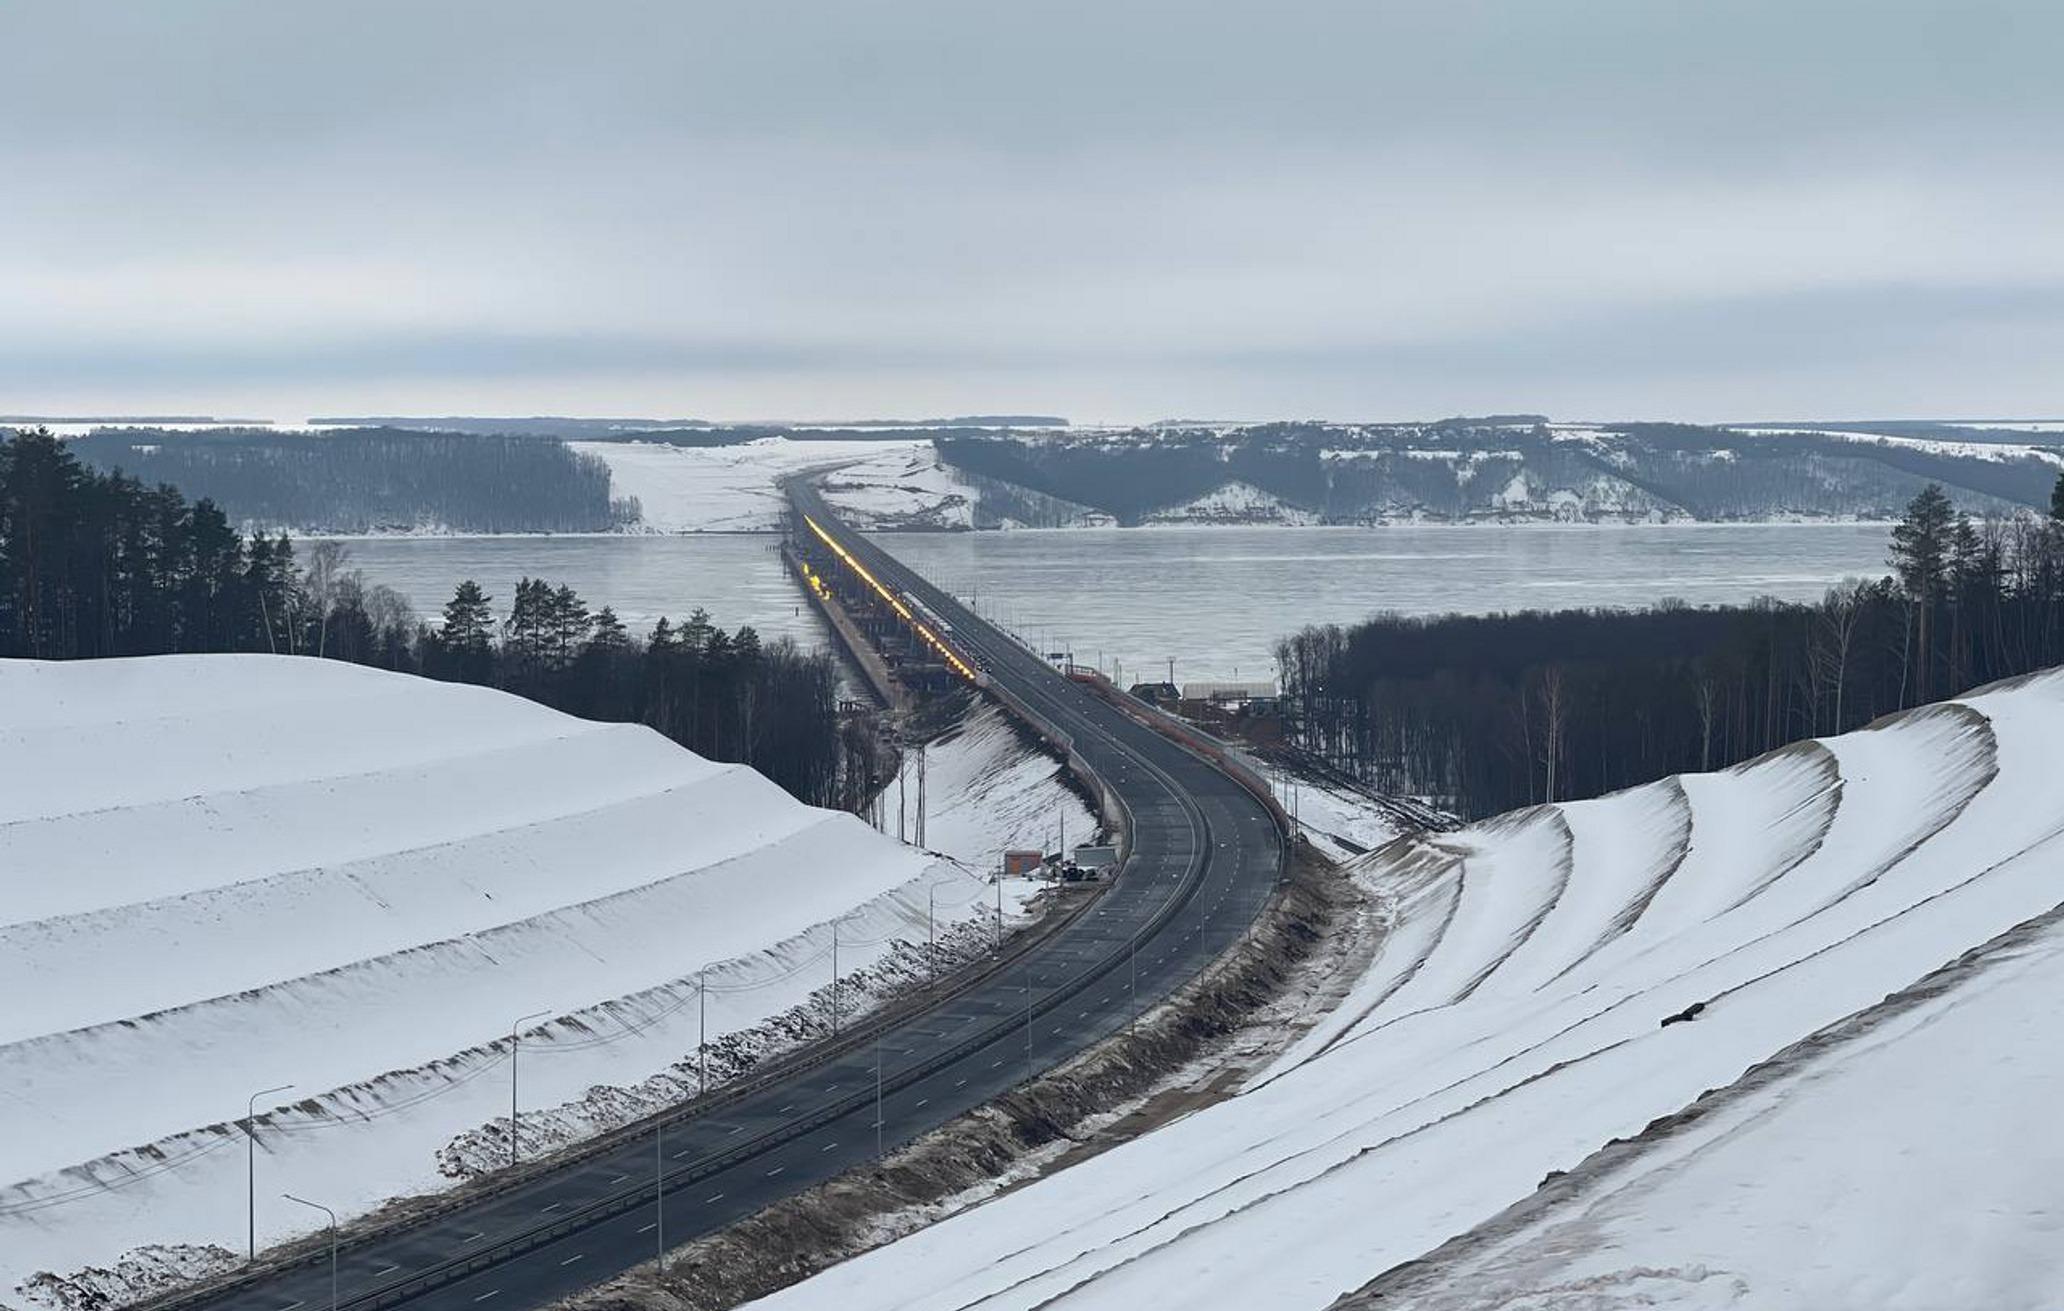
1921,545
2057,500
468,622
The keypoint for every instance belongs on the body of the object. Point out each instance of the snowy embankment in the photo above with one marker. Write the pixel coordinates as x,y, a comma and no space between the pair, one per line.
219,874
874,484
1834,1132
988,790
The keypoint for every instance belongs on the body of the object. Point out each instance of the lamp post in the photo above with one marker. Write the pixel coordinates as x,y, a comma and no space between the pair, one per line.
251,1160
659,1189
333,1241
702,1041
931,934
514,1043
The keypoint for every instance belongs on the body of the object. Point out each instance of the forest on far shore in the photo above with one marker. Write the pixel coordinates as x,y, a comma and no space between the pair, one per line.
364,480
1485,713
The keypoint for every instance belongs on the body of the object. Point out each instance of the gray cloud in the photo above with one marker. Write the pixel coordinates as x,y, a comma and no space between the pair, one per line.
1120,209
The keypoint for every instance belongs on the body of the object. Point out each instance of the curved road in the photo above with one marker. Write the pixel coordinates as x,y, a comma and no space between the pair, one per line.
1205,858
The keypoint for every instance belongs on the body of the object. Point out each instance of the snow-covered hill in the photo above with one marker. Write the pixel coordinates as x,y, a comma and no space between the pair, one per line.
875,484
223,873
1860,1113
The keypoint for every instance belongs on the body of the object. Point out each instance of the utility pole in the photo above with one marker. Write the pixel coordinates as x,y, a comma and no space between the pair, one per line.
333,1241
999,912
1028,1024
702,1041
877,1097
514,1043
659,1188
1171,671
1132,1016
834,979
251,1159
931,934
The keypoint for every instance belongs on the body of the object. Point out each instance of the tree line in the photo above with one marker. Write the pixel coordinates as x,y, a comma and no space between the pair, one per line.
374,479
99,564
1485,713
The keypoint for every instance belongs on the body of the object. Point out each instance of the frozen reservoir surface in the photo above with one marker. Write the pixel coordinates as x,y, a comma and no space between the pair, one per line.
219,874
1859,1114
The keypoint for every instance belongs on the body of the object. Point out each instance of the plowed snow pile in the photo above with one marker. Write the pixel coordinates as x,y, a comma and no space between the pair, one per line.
224,873
1861,1114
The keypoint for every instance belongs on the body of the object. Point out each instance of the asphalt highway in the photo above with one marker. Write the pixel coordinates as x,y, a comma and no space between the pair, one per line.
1205,859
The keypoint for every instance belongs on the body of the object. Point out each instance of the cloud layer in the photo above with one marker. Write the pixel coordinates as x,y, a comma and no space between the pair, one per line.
1117,209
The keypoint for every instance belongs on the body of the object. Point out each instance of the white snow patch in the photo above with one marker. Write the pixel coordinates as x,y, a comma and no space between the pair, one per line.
736,488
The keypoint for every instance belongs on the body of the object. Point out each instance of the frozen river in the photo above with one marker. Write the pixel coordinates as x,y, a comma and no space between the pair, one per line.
1214,599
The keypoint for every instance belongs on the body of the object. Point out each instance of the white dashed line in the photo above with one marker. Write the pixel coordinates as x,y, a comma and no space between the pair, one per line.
492,1292
776,1170
571,1259
717,1198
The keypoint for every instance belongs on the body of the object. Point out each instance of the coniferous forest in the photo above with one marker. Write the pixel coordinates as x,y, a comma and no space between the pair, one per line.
1487,713
99,564
373,479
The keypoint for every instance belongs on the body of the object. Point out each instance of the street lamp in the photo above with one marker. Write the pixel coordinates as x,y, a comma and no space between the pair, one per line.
514,1043
333,1241
251,1160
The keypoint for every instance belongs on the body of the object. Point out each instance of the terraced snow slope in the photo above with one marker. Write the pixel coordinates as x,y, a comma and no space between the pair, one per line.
1865,1139
222,873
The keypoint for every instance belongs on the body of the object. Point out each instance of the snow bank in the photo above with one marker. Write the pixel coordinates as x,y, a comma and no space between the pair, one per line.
988,791
223,873
1511,1027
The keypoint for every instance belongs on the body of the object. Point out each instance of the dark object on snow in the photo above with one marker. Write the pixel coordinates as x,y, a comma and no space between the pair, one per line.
1685,1016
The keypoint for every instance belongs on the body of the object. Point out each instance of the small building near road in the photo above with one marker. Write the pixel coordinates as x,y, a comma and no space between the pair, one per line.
1165,695
1255,698
1018,864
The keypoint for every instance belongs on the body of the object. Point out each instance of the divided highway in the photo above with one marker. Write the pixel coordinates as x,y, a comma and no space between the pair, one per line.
1206,856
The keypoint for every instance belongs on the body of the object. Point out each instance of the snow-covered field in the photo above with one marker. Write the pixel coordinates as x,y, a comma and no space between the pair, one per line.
1858,1142
735,488
223,873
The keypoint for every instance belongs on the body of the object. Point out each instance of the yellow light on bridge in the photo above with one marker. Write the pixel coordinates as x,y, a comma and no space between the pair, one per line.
931,639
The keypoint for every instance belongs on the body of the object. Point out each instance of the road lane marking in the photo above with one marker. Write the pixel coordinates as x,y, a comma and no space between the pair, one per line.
472,1238
492,1292
553,1207
776,1170
649,1228
734,1129
922,1103
383,1270
718,1198
571,1259
683,1152
827,1147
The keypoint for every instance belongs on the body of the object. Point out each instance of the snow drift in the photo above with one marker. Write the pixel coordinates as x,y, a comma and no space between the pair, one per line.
1867,933
224,873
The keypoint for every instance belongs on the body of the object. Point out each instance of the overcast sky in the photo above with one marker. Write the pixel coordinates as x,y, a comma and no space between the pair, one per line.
1706,209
